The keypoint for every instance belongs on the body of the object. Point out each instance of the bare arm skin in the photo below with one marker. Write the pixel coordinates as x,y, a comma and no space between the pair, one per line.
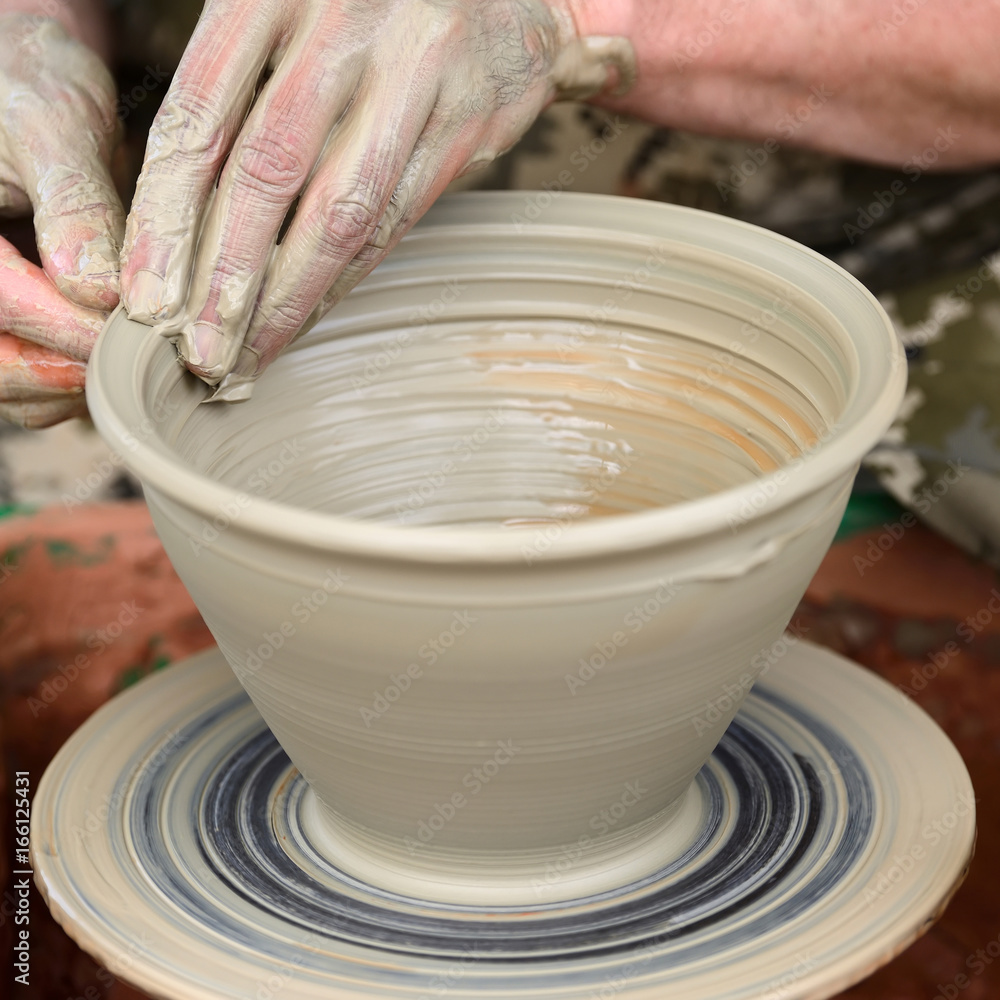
891,72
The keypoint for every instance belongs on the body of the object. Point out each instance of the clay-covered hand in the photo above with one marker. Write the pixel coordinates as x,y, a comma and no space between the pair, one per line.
57,133
355,114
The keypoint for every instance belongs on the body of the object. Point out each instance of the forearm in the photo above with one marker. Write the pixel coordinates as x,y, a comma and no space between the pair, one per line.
872,79
85,20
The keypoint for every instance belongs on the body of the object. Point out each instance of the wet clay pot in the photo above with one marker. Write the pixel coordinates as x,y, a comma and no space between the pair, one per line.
499,547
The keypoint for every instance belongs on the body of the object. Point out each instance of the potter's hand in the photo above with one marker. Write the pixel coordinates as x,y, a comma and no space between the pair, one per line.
369,111
38,386
57,130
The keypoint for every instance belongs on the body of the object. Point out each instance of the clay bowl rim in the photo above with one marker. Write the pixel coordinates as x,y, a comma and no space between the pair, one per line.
125,350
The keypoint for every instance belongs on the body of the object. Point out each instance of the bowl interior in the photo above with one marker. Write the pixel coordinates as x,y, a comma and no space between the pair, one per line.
486,378
507,423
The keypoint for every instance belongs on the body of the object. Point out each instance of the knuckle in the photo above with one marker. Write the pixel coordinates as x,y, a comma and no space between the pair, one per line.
344,223
446,24
365,259
65,191
190,116
278,322
234,264
269,162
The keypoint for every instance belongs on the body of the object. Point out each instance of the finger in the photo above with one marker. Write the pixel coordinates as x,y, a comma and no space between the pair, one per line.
30,370
79,220
38,387
37,415
62,137
32,307
271,160
341,211
188,143
438,157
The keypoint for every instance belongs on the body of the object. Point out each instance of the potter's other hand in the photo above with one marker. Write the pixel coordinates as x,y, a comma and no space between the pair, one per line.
38,386
356,114
57,131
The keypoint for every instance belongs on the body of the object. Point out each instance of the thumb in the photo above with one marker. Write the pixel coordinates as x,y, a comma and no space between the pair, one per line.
79,220
32,308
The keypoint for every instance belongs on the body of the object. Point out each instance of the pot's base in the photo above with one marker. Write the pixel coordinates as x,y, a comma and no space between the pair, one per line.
592,865
817,842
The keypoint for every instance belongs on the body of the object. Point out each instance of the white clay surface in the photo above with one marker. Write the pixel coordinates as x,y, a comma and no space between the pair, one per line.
580,600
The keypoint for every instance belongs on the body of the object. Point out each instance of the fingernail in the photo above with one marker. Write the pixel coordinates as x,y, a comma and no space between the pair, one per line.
208,352
143,297
238,384
90,291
